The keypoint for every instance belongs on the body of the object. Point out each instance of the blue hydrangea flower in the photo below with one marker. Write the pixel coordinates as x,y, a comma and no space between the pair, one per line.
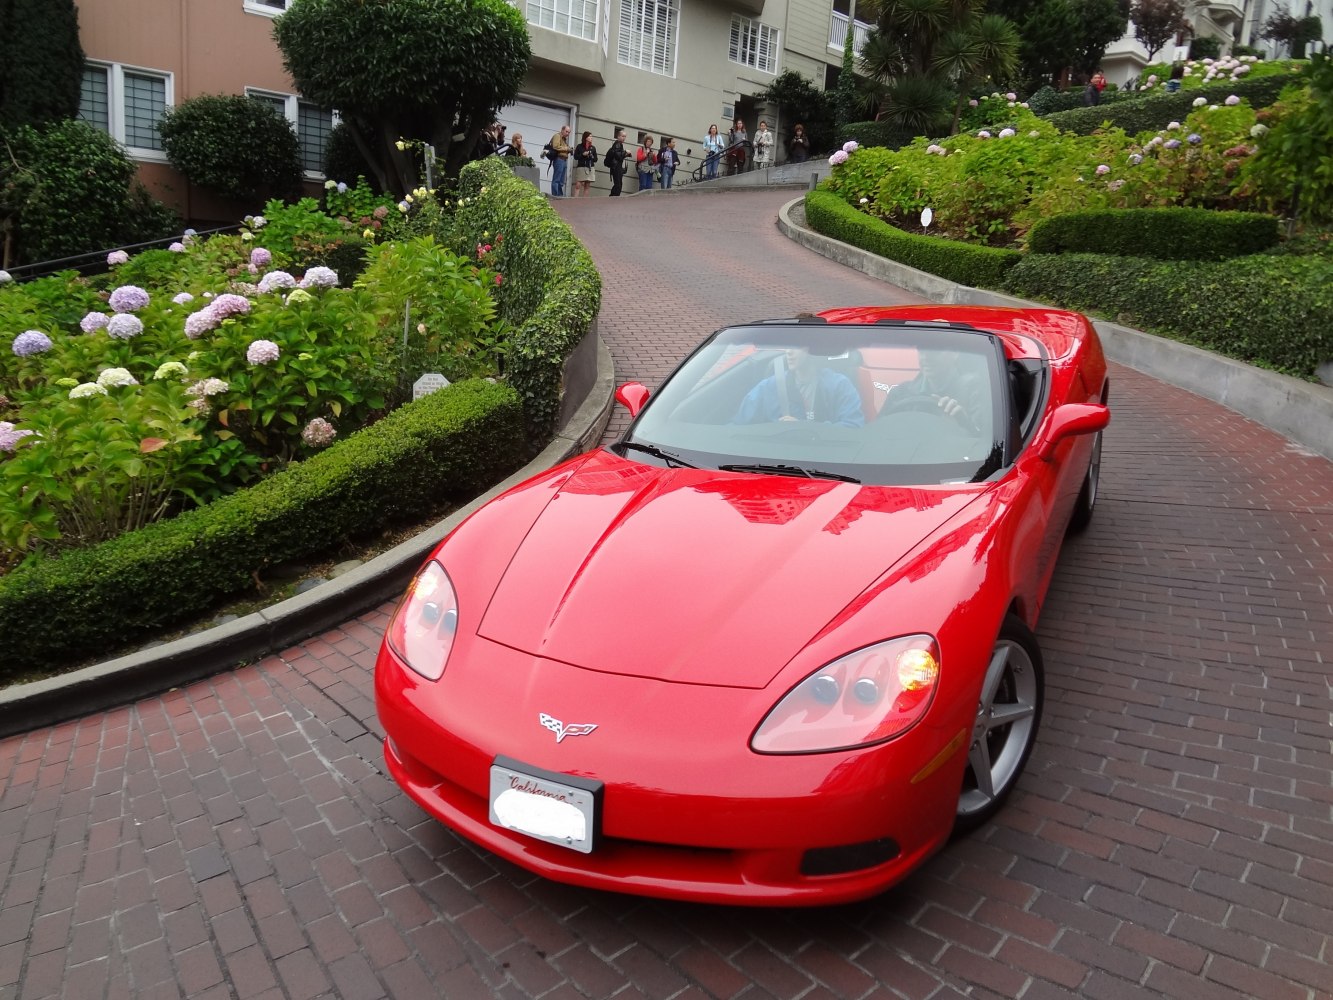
31,342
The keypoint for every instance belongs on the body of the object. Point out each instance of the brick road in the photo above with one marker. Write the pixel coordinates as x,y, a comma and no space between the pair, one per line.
1173,836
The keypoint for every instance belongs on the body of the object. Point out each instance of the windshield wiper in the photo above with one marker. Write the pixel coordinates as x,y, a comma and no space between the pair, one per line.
790,470
675,461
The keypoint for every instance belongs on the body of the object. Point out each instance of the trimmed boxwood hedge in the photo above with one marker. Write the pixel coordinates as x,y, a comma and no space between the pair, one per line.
1164,233
452,444
552,290
965,263
875,134
1274,311
1148,114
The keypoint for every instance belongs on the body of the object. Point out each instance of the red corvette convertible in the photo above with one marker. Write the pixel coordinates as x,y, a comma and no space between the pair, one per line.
774,644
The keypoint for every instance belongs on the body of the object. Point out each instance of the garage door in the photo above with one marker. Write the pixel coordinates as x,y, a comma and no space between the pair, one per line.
536,122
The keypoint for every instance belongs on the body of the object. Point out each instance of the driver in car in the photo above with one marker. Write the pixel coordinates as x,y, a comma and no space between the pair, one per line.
804,390
943,383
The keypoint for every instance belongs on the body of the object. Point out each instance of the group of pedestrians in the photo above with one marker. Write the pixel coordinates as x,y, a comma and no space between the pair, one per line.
659,166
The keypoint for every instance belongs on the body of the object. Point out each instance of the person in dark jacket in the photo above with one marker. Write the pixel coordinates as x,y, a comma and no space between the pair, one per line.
615,162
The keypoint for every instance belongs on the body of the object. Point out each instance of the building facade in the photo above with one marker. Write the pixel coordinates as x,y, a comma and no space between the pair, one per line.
659,67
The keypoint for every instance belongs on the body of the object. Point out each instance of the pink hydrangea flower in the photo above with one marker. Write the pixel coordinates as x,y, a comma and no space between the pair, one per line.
199,323
117,257
1233,100
838,158
320,277
983,134
275,280
10,435
177,247
227,305
261,352
93,322
319,433
1102,168
124,326
181,298
260,257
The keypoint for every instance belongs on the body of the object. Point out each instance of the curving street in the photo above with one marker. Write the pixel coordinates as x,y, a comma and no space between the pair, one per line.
1172,837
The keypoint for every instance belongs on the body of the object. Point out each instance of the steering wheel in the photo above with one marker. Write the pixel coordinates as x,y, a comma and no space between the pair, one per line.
922,404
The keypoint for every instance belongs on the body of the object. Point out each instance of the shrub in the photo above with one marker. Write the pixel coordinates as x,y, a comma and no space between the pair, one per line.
874,134
1146,114
67,188
237,147
981,267
1205,47
1161,233
450,444
551,290
1292,168
1274,311
343,160
41,61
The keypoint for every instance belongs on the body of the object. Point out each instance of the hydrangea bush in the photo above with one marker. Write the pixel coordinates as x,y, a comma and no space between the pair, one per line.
992,185
182,376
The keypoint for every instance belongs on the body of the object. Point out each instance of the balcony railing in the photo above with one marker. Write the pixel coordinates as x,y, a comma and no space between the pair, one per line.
837,33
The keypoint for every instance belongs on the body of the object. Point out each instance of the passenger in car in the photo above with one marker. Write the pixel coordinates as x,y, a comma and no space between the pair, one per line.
803,390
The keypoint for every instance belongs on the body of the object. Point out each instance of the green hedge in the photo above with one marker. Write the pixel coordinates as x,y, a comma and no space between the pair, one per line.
875,134
451,444
1274,311
1149,114
552,290
980,267
1163,233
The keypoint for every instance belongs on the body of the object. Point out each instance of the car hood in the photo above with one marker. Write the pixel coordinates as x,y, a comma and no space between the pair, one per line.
697,576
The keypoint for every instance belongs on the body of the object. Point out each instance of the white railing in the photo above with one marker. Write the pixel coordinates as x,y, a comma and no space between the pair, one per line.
837,33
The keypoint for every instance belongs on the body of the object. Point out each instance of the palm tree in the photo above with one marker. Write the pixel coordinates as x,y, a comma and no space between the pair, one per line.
926,54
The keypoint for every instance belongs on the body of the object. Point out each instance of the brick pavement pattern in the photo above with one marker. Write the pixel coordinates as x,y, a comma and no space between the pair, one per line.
1173,836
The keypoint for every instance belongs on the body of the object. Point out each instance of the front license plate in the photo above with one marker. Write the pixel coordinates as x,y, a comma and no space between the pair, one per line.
557,808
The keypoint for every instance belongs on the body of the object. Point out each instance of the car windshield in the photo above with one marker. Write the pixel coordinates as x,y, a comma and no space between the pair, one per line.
905,404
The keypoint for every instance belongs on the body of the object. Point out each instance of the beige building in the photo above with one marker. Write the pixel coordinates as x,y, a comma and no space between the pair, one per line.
664,67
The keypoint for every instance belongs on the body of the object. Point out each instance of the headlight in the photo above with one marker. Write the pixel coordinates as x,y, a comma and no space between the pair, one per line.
865,697
423,627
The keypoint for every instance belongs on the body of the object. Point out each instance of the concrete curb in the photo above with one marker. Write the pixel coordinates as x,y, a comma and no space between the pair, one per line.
1300,411
158,668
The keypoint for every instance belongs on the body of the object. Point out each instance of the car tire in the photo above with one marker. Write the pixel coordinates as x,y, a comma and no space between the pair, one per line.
1005,726
1087,496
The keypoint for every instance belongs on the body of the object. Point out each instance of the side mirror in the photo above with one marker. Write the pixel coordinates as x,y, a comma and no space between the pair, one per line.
1071,420
632,396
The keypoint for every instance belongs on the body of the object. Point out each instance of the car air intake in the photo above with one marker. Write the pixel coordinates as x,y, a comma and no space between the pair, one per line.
852,857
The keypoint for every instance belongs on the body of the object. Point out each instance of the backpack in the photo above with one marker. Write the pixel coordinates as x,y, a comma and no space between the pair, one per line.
548,152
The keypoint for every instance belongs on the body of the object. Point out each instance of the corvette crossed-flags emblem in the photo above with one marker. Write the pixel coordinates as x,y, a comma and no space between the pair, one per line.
561,730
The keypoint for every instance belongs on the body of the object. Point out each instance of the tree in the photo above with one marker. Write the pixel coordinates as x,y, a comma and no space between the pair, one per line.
928,53
844,97
801,101
41,61
237,147
1293,32
433,71
1101,22
1156,22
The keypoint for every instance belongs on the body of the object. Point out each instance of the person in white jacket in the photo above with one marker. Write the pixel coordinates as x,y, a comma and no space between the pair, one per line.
763,146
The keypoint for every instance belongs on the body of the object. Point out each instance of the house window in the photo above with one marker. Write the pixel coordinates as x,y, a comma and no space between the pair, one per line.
127,103
312,123
269,7
753,44
648,35
569,17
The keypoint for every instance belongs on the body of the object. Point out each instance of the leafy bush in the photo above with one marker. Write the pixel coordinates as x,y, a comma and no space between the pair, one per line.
1292,168
68,188
1205,47
41,61
551,290
1162,233
874,134
1199,73
450,444
982,267
1275,311
1146,114
234,146
343,160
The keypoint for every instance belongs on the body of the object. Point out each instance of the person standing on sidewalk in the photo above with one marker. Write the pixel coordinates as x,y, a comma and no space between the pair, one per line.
560,164
615,162
668,160
763,146
714,145
646,162
585,166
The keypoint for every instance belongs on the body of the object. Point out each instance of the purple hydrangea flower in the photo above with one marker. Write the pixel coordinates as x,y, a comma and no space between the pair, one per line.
319,433
177,247
1135,159
31,342
117,257
227,305
837,158
261,352
128,299
181,298
1005,133
1171,144
124,326
320,277
1232,100
93,322
850,146
10,435
260,257
275,280
199,323
1102,168
1194,138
